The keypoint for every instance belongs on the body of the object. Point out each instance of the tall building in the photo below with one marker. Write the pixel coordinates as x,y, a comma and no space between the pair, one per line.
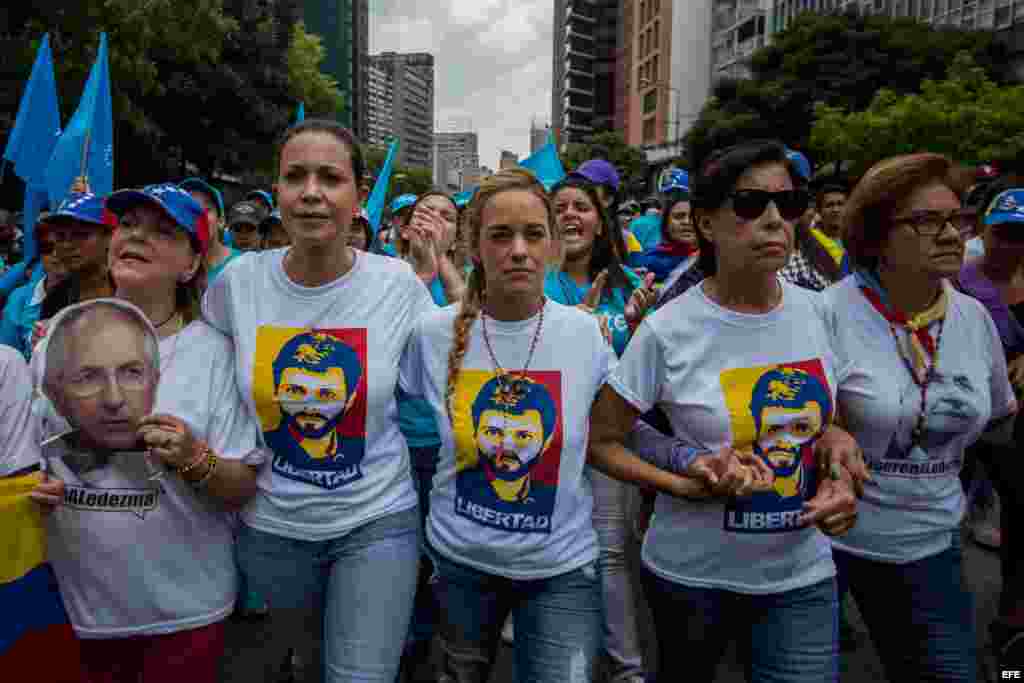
538,136
508,160
583,92
668,66
456,154
344,27
738,28
401,105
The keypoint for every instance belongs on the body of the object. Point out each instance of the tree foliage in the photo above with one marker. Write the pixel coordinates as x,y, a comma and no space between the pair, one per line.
966,116
841,60
609,145
307,83
403,180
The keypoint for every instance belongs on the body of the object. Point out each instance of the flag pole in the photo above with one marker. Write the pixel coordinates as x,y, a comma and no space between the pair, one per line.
85,152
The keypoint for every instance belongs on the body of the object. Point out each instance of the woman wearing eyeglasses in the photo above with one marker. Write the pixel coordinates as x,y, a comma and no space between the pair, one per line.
742,368
925,377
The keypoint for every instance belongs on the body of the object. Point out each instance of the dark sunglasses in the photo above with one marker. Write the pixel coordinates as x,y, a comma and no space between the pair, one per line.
1008,232
751,204
46,248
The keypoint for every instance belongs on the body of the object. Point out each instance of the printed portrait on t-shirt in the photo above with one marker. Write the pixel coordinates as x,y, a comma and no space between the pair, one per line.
777,412
953,410
508,442
309,387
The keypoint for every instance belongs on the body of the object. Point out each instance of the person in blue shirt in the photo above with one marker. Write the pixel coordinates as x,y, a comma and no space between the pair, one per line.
398,215
678,248
592,276
25,303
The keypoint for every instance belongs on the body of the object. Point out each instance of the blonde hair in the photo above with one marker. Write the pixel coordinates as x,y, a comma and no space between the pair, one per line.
508,180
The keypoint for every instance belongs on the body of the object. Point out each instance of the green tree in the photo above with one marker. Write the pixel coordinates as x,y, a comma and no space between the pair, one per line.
609,145
307,83
966,116
839,60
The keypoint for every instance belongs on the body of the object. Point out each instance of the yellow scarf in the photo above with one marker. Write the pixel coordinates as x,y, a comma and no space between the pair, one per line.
833,247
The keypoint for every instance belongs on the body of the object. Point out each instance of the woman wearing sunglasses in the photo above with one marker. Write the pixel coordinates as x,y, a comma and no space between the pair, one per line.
925,377
21,312
742,368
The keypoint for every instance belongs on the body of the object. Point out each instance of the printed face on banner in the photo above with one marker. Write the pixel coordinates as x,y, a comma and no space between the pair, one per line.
309,387
508,450
777,412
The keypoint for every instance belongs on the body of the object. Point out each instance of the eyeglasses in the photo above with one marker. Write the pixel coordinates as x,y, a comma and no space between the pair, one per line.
751,204
92,381
932,223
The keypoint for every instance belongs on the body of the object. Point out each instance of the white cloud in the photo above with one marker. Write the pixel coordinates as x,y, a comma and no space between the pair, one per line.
514,31
471,12
404,34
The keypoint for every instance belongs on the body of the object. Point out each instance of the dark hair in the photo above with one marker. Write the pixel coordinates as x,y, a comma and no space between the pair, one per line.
670,202
340,132
867,215
711,186
609,247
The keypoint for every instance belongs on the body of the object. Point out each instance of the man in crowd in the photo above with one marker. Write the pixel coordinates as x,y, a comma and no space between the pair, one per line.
218,255
244,222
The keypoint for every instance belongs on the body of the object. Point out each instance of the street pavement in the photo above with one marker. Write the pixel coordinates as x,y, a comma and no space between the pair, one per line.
859,666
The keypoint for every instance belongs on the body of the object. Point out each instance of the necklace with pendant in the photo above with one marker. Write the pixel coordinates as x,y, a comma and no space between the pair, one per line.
511,389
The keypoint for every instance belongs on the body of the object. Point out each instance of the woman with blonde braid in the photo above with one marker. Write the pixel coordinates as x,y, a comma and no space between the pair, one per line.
510,522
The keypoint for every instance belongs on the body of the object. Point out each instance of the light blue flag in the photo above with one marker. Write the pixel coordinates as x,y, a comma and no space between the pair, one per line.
87,145
546,165
375,204
37,125
300,115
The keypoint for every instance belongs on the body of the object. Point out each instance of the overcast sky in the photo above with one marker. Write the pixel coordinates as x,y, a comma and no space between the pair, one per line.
492,63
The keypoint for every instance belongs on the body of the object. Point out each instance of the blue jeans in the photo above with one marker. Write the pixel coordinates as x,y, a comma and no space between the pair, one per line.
558,623
426,612
344,604
920,615
789,637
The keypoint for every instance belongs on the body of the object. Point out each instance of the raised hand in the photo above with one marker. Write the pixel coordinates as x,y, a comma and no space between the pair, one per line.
641,300
592,299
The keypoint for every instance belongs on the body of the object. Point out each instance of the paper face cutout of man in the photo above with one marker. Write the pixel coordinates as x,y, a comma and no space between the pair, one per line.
315,378
513,429
102,373
790,408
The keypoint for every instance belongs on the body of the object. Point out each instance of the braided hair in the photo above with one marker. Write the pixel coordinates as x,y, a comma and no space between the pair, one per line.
508,180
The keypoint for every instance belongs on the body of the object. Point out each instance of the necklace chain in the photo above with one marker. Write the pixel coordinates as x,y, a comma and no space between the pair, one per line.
509,385
923,384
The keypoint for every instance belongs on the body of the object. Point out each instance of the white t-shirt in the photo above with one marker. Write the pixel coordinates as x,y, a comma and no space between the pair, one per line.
135,557
718,374
915,499
318,366
483,512
19,440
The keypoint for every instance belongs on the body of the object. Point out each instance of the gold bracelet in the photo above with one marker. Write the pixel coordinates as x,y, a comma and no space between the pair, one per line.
211,458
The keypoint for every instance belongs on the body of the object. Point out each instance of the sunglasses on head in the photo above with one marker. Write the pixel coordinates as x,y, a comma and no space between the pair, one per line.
751,204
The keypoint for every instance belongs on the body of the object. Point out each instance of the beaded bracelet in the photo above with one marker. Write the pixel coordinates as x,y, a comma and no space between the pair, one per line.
211,458
203,450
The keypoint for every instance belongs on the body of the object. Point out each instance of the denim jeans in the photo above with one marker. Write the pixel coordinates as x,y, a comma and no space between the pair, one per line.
920,615
344,604
558,623
612,524
425,614
789,637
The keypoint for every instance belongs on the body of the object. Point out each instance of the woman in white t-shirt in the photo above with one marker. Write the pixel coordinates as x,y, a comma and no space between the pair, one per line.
741,367
332,537
510,377
926,377
120,561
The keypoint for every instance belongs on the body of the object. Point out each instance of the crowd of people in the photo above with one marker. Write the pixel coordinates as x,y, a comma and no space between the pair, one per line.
452,430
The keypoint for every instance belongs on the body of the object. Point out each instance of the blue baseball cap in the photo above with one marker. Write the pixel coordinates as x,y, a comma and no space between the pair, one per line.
402,202
677,180
200,185
80,206
175,201
598,172
1007,207
802,164
263,196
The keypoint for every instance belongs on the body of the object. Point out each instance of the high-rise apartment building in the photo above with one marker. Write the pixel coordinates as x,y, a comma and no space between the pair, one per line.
344,27
401,105
538,136
583,93
456,154
667,65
